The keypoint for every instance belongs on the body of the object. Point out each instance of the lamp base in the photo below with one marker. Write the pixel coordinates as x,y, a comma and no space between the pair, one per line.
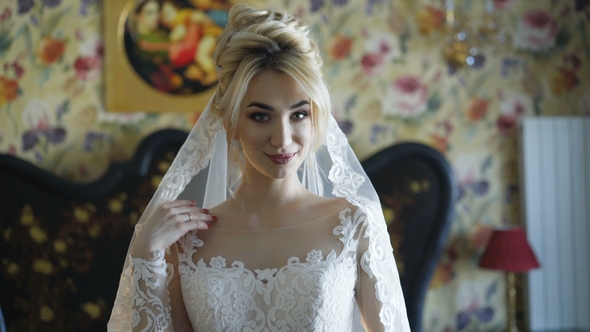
511,286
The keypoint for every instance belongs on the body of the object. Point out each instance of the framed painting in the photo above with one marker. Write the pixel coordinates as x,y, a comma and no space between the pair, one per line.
159,53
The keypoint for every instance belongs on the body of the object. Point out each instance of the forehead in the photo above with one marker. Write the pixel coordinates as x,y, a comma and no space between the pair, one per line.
274,88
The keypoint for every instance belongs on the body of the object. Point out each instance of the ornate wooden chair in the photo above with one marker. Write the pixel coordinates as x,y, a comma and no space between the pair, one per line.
417,189
63,244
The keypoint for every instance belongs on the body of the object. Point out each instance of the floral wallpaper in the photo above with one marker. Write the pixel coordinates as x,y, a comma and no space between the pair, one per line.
51,108
395,73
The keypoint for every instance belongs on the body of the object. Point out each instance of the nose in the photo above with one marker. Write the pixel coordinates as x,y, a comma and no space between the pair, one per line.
281,136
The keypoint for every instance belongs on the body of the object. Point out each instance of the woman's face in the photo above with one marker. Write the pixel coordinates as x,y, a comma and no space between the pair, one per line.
148,16
274,125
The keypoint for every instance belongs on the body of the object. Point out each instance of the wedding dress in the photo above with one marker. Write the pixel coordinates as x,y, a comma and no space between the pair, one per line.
306,277
295,278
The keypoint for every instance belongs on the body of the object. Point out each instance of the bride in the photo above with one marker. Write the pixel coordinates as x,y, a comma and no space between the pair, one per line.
291,236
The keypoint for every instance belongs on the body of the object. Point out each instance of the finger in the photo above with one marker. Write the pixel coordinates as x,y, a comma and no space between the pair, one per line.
191,209
207,218
178,203
187,217
181,214
202,210
203,225
194,225
192,216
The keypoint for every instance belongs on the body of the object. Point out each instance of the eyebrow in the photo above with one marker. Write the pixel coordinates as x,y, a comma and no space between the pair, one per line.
269,108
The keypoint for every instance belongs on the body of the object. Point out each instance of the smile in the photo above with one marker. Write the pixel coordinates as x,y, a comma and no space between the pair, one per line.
282,158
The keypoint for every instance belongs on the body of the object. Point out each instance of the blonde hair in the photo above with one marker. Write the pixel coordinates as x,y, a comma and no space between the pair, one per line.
257,40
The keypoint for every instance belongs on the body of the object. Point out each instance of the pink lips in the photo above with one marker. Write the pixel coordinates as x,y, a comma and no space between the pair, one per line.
281,158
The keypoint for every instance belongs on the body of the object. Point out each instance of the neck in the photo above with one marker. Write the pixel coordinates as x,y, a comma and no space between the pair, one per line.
258,193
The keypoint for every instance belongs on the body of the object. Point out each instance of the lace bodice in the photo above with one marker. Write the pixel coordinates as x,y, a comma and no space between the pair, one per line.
315,291
312,295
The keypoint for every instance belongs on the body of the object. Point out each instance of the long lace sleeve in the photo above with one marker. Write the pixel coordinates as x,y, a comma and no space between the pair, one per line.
378,291
151,304
157,295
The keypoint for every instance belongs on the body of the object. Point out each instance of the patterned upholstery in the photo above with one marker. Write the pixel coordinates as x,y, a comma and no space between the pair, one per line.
417,190
63,244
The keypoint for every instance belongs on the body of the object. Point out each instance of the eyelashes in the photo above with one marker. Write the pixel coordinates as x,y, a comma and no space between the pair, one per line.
300,115
263,117
259,117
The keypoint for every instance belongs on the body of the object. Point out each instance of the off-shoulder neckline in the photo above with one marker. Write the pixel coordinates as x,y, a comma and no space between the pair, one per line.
283,228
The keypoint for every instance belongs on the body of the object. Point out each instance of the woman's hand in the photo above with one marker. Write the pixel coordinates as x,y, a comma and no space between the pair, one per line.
167,224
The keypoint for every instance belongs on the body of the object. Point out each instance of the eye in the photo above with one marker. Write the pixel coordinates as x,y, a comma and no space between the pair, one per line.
259,117
299,115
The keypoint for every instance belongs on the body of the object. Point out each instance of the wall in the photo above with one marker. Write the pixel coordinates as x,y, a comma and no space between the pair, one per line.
389,81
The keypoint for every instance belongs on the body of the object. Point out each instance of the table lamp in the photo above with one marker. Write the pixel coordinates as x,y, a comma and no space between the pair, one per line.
508,250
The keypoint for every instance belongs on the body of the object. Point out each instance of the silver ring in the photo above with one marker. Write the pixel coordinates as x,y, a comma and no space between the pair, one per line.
189,216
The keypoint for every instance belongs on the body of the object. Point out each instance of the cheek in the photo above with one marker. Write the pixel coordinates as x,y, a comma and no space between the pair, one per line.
304,135
251,137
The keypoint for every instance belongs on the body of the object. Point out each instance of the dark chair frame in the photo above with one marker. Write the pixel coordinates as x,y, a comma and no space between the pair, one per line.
128,174
415,286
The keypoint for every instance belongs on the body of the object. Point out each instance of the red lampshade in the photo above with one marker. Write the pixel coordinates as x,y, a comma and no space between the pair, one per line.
509,250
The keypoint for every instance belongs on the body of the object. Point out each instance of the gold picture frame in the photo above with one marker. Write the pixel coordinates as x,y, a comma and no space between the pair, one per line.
148,64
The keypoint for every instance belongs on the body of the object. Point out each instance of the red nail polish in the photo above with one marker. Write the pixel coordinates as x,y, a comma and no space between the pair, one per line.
206,210
208,226
214,218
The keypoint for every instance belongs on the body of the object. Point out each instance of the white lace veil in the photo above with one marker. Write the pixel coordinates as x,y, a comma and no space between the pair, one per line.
200,171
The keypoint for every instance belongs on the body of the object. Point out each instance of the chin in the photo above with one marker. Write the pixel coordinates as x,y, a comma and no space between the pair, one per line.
283,171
